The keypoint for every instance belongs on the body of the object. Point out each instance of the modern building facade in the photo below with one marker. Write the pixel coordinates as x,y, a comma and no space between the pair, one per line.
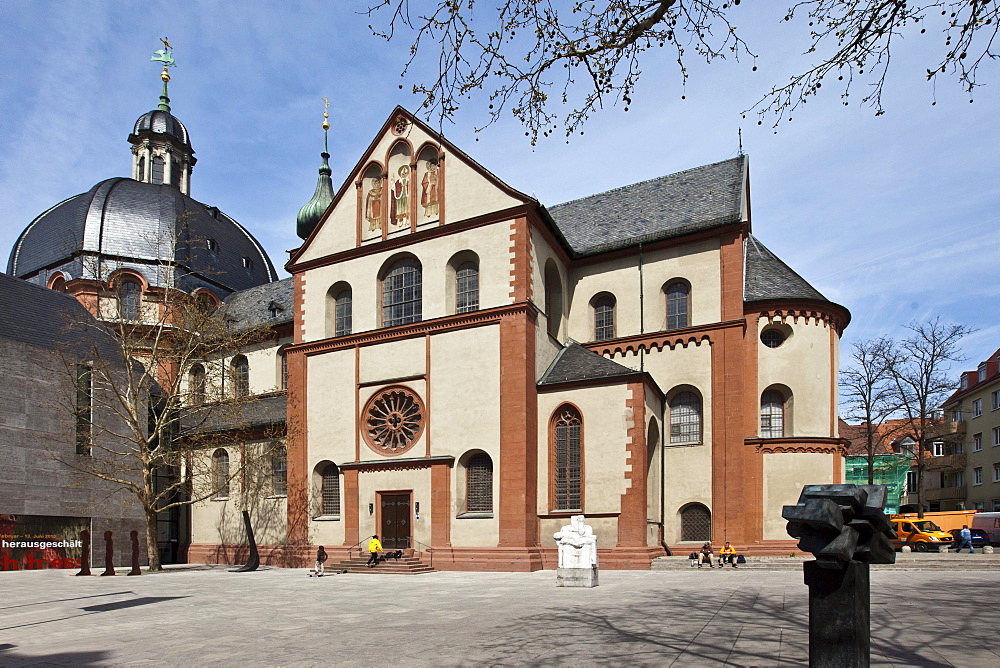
975,406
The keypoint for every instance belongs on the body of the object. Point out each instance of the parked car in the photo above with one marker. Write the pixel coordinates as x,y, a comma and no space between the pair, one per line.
979,537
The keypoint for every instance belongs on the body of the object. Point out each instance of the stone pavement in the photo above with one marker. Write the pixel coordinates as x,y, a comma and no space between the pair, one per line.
208,616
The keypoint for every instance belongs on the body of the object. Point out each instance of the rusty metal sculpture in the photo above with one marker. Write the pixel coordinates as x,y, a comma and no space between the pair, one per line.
134,536
844,527
85,553
109,554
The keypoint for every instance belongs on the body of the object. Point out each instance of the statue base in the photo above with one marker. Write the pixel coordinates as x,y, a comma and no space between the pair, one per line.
576,577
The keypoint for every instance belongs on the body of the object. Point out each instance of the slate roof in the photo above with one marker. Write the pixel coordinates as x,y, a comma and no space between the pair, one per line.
127,219
767,277
48,319
576,363
252,307
689,201
262,411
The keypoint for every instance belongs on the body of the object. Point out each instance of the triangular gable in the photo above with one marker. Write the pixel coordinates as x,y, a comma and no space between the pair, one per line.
410,178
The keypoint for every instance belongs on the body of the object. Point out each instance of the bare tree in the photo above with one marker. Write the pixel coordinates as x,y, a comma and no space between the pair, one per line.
554,63
870,395
918,366
156,395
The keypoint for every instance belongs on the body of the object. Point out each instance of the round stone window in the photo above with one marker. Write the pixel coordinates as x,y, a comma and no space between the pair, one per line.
393,420
772,338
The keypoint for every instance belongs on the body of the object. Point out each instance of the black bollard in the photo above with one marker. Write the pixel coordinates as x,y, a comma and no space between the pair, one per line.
134,535
109,554
846,530
85,557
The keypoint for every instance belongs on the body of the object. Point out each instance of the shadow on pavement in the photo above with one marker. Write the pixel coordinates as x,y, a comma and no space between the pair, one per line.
9,658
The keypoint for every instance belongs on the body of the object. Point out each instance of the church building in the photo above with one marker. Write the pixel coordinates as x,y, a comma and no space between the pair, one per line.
459,368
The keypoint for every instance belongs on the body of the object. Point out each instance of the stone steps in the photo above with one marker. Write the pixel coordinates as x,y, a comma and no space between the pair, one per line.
406,565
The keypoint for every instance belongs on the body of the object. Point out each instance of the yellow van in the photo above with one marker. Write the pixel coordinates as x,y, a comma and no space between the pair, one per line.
920,535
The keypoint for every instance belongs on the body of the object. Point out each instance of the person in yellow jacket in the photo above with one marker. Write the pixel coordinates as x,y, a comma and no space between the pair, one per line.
374,547
727,553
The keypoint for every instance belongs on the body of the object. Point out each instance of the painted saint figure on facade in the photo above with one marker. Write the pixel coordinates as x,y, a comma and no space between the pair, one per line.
429,190
400,197
373,205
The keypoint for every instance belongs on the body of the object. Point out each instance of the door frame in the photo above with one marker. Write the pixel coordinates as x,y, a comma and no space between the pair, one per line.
378,509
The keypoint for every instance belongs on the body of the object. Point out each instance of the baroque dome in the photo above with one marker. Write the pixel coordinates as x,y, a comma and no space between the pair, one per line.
161,122
145,226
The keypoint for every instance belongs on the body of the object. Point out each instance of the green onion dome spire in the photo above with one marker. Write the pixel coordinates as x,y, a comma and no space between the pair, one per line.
314,209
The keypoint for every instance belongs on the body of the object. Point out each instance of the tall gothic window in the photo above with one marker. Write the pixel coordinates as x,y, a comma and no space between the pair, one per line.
240,373
220,471
467,288
772,414
685,418
479,484
129,300
604,317
343,313
279,471
283,372
330,492
567,469
196,384
402,294
678,305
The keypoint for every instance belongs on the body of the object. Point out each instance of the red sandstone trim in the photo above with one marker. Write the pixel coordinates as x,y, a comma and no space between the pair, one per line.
800,444
632,523
297,449
352,509
441,506
663,340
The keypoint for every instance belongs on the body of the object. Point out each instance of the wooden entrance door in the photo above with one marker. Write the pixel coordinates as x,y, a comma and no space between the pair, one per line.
395,521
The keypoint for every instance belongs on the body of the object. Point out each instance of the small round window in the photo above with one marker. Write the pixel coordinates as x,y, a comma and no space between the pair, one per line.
772,338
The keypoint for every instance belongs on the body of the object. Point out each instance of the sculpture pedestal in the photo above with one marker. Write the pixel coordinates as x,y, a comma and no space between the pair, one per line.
576,577
839,609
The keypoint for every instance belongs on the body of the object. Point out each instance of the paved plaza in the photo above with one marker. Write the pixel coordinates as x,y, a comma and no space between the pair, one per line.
276,617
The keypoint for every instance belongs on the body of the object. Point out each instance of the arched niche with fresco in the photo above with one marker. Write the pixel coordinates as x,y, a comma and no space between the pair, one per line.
429,186
400,184
373,202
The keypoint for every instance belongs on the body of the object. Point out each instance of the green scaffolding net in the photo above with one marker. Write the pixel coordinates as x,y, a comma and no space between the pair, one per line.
890,470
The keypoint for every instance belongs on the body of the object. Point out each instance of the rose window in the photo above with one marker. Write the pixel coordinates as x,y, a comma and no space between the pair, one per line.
393,420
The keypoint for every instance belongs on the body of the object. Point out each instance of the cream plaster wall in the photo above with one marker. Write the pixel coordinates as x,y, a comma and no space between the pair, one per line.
490,242
393,359
465,416
698,263
330,409
467,194
802,363
602,410
541,253
785,474
221,520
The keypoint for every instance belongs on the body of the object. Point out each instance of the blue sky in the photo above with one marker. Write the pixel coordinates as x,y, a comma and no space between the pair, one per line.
896,217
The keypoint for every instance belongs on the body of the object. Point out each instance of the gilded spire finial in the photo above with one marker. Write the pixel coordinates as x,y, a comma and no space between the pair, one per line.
165,56
326,122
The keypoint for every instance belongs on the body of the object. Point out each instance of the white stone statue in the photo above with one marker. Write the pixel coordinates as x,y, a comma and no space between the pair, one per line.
577,544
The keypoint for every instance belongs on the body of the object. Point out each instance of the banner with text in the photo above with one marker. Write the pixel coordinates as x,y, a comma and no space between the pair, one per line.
35,542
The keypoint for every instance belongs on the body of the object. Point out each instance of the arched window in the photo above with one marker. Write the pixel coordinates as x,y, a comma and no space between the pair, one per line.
204,302
402,293
142,170
240,372
157,176
330,490
567,459
678,305
467,288
175,173
685,418
604,317
479,484
696,523
196,384
279,471
220,474
58,283
129,299
772,414
342,315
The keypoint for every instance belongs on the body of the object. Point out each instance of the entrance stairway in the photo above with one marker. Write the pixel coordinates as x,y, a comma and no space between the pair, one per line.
904,562
405,565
